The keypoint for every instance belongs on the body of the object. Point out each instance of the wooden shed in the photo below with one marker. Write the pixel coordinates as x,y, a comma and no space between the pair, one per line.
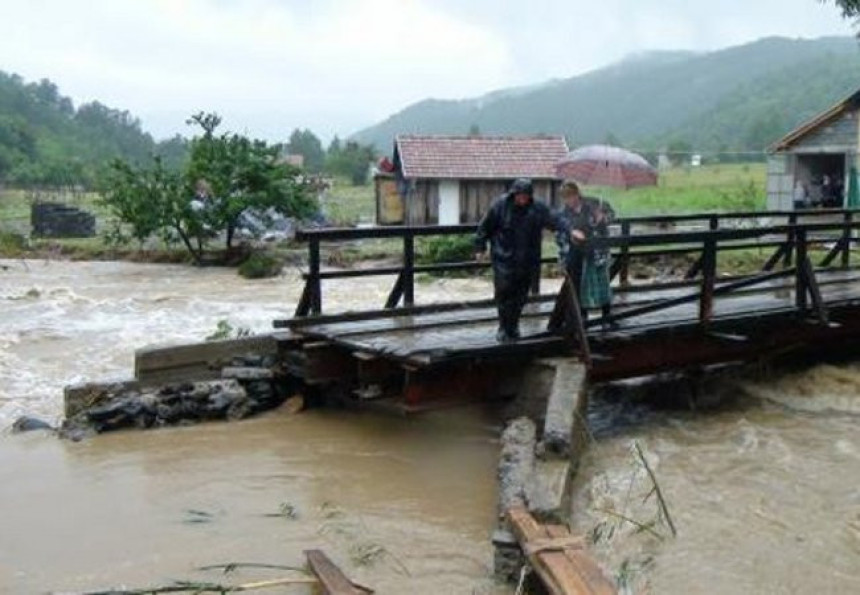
447,180
817,156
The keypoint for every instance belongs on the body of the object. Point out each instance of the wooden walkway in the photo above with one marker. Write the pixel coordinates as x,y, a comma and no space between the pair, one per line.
700,319
427,336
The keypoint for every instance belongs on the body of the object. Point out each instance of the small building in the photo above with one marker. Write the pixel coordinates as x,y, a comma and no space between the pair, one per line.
815,158
447,180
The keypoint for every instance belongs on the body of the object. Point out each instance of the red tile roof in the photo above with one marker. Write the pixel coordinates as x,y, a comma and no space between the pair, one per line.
479,157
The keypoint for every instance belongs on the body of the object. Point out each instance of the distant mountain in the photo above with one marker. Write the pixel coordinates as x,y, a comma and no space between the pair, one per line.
45,140
740,98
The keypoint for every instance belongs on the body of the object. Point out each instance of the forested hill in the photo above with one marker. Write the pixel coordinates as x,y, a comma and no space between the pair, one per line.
741,98
45,140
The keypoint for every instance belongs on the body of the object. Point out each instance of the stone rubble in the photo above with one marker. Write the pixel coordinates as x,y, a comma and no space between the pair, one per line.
249,385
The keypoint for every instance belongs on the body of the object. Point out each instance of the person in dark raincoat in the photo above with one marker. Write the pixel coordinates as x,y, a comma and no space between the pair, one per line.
513,226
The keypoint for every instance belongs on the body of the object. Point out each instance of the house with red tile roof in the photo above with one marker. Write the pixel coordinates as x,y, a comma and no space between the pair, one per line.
447,180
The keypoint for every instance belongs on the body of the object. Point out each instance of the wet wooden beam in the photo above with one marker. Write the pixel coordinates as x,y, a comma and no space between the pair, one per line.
319,362
332,579
558,557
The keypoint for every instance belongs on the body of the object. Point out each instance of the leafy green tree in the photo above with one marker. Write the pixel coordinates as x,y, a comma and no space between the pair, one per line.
239,174
306,144
850,8
140,199
243,174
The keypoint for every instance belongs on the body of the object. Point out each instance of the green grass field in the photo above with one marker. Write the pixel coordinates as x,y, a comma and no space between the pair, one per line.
727,187
346,204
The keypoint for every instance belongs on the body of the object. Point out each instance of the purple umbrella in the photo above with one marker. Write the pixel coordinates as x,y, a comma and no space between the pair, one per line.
602,165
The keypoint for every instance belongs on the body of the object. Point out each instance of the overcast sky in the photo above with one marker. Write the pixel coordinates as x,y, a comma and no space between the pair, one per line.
335,66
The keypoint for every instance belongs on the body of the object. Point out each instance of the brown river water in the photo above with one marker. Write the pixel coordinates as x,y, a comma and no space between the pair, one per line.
761,485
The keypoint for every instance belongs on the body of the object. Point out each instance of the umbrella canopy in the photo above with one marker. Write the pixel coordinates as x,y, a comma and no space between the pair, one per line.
853,199
603,165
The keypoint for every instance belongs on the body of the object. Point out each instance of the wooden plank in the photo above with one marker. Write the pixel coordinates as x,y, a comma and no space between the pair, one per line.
550,554
332,579
585,565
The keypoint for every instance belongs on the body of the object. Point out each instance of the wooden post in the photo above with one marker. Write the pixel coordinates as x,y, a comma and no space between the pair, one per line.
775,257
625,255
790,240
846,240
566,317
535,288
800,284
408,269
332,579
315,290
396,293
304,305
709,274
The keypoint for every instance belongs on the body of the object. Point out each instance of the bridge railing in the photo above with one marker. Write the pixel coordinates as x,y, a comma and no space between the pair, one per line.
629,241
801,237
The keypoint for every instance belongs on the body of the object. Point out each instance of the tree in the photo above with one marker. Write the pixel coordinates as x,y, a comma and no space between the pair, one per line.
243,174
850,8
306,144
140,199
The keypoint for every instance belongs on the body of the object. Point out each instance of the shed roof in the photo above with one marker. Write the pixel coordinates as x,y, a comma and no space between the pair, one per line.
850,103
479,157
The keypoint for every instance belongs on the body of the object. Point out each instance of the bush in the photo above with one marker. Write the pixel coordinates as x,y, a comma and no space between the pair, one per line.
445,249
260,265
225,330
12,244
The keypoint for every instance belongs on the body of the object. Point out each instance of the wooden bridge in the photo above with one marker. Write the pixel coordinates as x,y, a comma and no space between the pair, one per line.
803,297
806,296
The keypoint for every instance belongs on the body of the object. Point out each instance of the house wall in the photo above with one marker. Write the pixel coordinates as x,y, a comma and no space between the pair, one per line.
445,202
477,195
839,137
449,202
780,181
389,202
547,191
422,203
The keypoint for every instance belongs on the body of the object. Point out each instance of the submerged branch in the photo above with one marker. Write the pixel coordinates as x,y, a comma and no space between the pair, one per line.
623,517
660,500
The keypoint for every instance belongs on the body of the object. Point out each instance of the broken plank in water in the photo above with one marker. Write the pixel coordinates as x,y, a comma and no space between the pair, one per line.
332,579
558,557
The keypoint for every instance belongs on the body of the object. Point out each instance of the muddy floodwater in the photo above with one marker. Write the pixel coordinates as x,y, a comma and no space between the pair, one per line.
762,483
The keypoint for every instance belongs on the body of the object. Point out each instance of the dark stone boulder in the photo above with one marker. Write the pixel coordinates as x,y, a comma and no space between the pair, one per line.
25,423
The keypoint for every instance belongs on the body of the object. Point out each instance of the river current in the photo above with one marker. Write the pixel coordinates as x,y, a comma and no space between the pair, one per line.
761,483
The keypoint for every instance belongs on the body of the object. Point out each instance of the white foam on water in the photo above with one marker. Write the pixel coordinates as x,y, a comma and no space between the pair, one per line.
66,322
823,388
